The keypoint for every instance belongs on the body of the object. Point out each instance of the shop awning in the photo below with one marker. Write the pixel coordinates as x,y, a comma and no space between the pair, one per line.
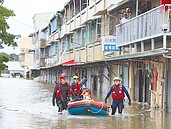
165,2
69,63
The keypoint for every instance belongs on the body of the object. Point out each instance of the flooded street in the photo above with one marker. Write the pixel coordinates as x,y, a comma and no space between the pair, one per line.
26,104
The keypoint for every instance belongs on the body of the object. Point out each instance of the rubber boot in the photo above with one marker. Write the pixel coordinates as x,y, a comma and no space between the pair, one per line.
59,110
113,111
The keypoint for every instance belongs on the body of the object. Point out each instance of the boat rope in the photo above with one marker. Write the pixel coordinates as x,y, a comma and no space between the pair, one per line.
98,110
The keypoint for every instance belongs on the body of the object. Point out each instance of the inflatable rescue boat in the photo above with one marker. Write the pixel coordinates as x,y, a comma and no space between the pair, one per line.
87,107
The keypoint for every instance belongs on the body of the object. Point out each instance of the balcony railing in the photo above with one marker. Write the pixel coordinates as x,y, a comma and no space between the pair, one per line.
143,26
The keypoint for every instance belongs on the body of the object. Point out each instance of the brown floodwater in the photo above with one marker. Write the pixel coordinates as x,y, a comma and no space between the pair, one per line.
26,104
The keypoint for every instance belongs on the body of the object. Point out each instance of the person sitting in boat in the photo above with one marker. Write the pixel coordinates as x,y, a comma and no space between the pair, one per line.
76,89
61,93
87,94
118,94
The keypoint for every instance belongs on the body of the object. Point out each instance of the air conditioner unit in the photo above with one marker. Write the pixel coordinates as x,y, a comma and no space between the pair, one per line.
165,28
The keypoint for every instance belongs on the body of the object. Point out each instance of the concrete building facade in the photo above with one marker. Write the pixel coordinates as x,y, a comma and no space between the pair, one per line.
87,38
26,55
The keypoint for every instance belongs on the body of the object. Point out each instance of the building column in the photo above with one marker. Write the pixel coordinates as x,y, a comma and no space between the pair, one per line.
131,80
152,44
142,46
164,41
130,49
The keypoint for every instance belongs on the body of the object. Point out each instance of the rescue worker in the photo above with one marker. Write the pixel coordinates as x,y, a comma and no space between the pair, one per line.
61,93
118,95
76,89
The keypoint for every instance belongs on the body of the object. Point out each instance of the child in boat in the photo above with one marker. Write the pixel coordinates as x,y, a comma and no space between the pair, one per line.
87,94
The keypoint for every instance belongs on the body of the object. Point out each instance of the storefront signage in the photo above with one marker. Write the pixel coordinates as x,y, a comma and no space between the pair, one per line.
109,43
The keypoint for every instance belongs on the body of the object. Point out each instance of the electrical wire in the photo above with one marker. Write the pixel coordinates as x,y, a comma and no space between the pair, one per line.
22,23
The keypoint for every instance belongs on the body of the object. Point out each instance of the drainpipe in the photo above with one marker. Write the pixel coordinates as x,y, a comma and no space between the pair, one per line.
93,51
163,84
137,3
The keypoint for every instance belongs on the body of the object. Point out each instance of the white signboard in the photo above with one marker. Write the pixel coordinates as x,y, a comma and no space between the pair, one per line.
109,43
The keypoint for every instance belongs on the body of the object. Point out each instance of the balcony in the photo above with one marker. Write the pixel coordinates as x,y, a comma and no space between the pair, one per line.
43,43
149,25
42,35
51,61
83,54
42,62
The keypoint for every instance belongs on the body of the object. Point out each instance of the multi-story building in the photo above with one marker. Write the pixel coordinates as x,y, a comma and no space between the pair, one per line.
40,22
75,40
26,55
87,38
144,42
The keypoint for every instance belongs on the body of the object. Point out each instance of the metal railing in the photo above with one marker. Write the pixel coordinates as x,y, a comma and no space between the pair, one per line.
145,25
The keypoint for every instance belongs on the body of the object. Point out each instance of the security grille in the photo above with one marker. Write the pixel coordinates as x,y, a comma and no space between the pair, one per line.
168,89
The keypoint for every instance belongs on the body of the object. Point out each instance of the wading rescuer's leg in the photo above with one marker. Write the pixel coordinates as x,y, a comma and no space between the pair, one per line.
120,107
114,106
113,110
64,105
59,104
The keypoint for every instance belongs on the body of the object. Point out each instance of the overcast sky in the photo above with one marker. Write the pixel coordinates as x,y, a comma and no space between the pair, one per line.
25,9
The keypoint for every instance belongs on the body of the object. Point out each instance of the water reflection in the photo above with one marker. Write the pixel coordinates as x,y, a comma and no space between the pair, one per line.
27,104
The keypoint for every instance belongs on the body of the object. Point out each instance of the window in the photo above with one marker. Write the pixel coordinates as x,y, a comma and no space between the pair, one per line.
93,31
53,49
69,41
83,4
53,25
42,53
47,51
64,45
22,57
83,35
78,37
144,6
98,30
112,26
87,31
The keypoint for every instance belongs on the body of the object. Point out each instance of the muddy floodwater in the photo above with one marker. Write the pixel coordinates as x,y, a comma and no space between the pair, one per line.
26,104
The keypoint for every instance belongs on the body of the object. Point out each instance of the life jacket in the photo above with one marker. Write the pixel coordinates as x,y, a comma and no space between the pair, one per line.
117,93
59,90
77,89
